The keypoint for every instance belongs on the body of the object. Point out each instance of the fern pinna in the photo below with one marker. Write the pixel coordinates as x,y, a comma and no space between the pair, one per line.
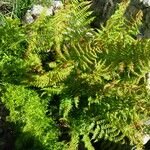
69,86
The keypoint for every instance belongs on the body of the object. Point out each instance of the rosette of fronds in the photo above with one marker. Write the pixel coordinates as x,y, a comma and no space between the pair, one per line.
107,87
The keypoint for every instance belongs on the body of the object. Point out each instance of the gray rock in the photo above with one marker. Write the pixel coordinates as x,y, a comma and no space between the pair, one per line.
146,138
50,11
133,9
57,4
28,17
37,10
103,9
146,3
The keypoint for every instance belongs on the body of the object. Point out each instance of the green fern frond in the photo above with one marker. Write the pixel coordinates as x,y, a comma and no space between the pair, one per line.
21,102
65,107
87,142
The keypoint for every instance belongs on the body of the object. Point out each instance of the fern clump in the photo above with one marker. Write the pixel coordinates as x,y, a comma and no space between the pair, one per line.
68,86
21,102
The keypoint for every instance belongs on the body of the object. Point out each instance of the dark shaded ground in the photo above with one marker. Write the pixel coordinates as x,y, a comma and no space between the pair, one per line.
11,136
147,146
6,131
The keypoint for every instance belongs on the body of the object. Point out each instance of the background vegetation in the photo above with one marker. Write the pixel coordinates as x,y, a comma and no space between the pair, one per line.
67,86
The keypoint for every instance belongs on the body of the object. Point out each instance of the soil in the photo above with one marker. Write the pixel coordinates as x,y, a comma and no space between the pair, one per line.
6,132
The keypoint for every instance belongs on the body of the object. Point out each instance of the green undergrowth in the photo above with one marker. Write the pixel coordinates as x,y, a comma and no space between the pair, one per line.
18,8
66,85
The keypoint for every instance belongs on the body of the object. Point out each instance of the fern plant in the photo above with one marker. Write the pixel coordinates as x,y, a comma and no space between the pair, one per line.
69,86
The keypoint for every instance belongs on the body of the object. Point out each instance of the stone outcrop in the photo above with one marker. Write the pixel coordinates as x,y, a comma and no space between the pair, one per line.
103,9
132,10
33,13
